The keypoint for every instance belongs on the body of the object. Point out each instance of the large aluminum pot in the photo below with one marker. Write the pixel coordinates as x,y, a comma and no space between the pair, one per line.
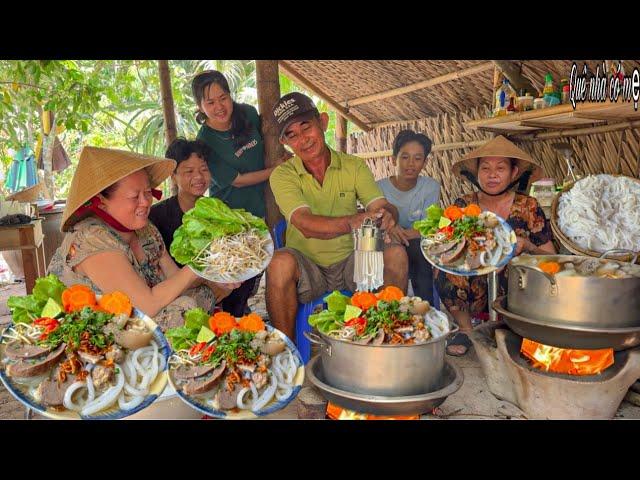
388,370
573,300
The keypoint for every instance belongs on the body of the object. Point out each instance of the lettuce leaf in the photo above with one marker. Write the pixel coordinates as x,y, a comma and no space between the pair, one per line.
336,302
179,337
196,318
49,287
429,224
211,218
187,335
325,321
26,308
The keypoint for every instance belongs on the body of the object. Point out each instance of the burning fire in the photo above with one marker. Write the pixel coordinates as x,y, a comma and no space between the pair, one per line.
569,361
334,412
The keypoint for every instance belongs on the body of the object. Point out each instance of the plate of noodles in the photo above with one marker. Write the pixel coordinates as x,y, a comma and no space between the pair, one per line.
85,362
466,241
233,368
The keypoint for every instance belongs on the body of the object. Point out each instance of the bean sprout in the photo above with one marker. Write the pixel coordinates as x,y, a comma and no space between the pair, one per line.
229,258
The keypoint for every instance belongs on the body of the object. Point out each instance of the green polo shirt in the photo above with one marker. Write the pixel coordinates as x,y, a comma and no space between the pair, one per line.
227,160
347,180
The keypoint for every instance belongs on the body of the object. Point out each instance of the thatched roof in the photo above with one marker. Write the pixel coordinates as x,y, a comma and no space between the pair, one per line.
345,82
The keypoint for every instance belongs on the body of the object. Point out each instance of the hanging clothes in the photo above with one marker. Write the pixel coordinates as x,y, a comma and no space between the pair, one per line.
60,158
22,173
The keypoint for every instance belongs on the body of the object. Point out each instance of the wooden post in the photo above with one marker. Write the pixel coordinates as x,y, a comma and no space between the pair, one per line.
170,131
48,145
268,86
341,133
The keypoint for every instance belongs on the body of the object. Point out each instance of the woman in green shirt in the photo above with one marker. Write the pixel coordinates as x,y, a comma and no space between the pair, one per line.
236,160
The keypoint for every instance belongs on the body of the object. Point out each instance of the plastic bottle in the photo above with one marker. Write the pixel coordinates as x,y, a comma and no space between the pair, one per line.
549,88
503,98
565,94
551,97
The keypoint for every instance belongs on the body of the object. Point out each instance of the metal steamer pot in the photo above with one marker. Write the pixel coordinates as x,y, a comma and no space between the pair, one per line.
573,300
387,370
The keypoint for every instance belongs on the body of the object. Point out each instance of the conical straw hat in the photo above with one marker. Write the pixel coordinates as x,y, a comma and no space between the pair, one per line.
100,168
498,147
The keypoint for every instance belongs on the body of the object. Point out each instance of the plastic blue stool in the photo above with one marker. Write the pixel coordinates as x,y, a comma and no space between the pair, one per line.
436,297
278,234
302,324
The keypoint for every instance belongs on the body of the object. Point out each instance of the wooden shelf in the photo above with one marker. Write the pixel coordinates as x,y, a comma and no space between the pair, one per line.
559,117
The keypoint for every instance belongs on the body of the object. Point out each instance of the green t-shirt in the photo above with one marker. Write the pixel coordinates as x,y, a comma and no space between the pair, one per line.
226,161
347,180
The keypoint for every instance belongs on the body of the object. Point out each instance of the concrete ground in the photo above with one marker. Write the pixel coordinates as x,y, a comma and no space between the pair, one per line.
472,401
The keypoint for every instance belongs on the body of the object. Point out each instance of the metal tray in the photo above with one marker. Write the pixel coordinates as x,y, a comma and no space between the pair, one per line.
563,336
452,379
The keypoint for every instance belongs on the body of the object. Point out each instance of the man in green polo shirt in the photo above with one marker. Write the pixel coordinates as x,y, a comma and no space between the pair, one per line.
317,191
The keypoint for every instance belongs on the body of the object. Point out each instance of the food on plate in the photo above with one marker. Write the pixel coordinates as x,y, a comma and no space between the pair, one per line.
230,364
87,356
220,243
465,239
393,319
601,212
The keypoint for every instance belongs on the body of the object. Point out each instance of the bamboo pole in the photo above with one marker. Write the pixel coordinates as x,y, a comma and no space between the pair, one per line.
420,85
573,132
303,82
268,86
47,155
393,123
436,148
341,133
168,111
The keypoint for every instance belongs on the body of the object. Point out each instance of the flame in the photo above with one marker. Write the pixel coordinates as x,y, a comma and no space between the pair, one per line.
570,361
334,412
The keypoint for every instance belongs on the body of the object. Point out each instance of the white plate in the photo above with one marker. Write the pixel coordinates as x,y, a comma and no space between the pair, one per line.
480,271
274,405
155,389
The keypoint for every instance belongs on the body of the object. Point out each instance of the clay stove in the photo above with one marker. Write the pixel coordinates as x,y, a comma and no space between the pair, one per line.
548,395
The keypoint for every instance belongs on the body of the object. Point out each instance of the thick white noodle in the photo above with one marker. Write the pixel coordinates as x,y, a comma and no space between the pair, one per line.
107,399
153,371
67,401
602,212
130,404
254,391
240,399
283,393
266,396
91,389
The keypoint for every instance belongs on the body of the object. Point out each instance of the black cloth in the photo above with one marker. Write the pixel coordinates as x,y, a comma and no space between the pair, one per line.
236,302
167,217
420,271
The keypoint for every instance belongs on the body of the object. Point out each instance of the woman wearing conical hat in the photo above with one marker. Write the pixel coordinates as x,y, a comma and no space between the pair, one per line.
496,169
111,245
